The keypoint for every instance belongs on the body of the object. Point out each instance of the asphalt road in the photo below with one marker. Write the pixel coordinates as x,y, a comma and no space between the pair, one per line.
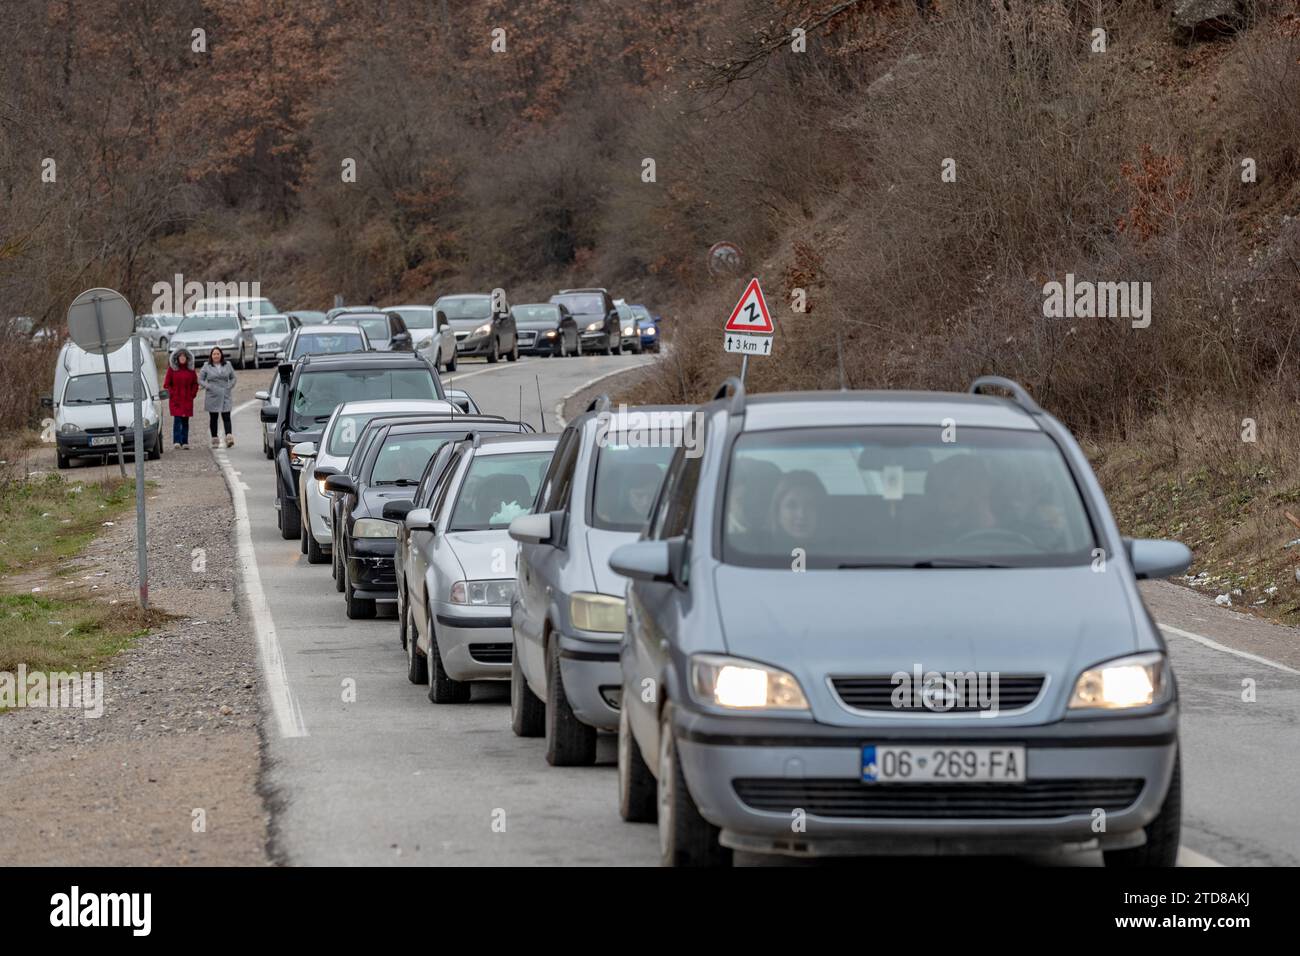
388,778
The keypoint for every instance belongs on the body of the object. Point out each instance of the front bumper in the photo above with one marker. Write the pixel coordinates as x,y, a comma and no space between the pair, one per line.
754,777
593,679
475,345
540,345
371,569
474,642
77,445
318,512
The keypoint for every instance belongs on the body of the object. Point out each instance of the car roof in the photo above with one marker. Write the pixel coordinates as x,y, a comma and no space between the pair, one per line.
507,444
798,409
396,308
393,404
329,329
376,313
465,295
455,423
578,421
343,360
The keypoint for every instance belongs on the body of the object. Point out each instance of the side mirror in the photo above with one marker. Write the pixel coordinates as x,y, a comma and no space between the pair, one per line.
418,519
398,510
305,449
343,483
163,393
323,472
1152,558
270,414
535,528
285,370
263,395
645,561
47,401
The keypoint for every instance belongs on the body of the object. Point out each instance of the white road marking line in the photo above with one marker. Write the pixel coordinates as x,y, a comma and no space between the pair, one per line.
559,406
248,404
1215,645
284,706
1188,857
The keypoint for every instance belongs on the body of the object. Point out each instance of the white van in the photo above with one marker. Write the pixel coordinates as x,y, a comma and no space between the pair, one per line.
83,418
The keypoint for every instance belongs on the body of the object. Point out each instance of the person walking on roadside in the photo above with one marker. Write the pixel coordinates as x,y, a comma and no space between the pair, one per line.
217,379
182,385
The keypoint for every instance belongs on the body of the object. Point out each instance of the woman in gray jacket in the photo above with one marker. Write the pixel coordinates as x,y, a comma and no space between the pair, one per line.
217,379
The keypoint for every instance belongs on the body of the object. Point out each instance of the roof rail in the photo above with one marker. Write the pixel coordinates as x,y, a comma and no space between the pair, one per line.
1018,393
599,404
737,394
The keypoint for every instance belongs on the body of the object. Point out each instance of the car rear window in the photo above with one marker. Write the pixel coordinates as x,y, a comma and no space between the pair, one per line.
319,393
402,458
625,483
208,323
902,497
326,343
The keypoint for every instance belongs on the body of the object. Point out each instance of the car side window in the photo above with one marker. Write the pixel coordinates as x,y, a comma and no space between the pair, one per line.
444,485
558,483
677,502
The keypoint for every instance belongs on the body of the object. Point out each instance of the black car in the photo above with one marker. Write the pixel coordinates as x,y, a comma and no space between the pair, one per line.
386,331
483,325
386,466
547,328
597,317
314,386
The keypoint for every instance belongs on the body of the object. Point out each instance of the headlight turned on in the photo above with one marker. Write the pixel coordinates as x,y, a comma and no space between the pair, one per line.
1126,682
597,612
374,528
483,593
595,326
483,329
744,685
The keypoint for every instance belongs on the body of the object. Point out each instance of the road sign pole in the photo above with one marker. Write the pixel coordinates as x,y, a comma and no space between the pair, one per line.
112,400
137,390
744,367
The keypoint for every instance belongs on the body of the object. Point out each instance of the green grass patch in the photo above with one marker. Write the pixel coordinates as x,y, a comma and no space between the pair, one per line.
60,634
46,520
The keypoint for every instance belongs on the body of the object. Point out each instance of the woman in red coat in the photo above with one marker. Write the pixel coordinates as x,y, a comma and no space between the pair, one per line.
182,385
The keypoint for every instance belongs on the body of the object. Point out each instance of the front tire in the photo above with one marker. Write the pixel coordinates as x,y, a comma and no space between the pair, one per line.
1163,833
336,553
685,837
495,353
289,523
315,553
358,609
569,742
62,461
442,689
417,664
513,354
527,712
636,784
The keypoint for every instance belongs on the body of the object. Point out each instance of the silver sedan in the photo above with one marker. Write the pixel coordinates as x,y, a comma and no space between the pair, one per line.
460,562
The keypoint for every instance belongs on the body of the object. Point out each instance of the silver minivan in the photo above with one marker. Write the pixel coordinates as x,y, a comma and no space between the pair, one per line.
894,622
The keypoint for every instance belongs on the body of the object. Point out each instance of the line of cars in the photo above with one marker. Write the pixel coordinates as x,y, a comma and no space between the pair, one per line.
830,624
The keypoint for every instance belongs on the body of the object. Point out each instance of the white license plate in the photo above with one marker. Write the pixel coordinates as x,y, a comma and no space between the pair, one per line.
942,763
103,440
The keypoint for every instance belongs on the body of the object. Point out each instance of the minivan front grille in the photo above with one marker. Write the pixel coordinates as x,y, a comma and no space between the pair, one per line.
491,653
978,694
1032,800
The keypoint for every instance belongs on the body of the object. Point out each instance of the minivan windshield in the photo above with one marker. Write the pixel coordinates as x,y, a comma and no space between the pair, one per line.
891,496
93,389
376,326
582,303
319,393
209,322
416,316
271,325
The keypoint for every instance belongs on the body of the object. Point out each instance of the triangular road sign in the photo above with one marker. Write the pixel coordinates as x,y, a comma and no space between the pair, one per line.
750,314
